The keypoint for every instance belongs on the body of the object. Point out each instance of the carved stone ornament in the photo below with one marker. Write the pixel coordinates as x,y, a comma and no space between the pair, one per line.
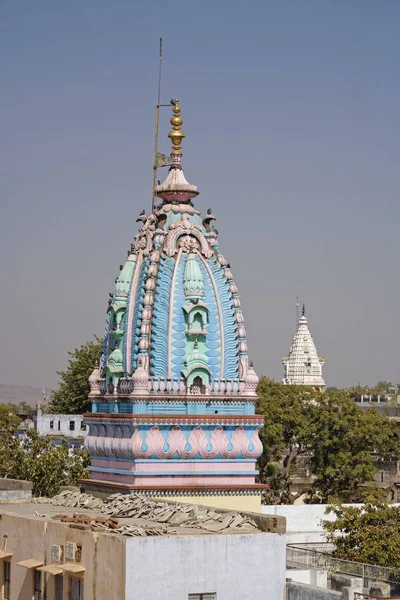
188,243
250,382
144,238
140,378
186,228
94,381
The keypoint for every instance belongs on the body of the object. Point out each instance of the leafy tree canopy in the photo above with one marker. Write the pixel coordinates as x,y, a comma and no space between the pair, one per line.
346,441
49,466
71,397
9,444
8,418
286,432
369,534
341,441
37,459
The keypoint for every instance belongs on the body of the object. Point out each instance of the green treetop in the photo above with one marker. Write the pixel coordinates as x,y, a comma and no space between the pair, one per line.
340,440
368,533
71,397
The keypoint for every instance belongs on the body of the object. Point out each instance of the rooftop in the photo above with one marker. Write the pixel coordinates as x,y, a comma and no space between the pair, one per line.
136,515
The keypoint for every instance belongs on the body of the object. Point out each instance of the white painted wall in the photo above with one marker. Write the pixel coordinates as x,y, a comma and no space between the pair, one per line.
313,577
303,522
243,567
61,425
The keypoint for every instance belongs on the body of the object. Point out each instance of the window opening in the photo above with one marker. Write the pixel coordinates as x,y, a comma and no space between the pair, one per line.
76,588
59,587
6,580
37,594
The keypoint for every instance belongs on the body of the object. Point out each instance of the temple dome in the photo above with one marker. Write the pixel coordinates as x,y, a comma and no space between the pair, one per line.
173,403
175,291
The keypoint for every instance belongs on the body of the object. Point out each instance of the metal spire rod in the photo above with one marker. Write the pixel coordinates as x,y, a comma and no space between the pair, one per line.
156,130
155,162
297,310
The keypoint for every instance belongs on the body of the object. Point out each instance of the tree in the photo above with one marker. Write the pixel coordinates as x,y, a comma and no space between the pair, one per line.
346,440
49,466
71,397
369,534
37,459
286,433
339,440
10,449
8,418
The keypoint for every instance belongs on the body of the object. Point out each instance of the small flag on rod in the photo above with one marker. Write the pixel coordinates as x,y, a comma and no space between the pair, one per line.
163,160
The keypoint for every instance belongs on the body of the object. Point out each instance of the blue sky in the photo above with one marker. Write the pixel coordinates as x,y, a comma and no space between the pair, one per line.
291,115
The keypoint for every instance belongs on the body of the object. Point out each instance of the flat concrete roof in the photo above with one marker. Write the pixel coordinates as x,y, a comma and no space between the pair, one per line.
134,515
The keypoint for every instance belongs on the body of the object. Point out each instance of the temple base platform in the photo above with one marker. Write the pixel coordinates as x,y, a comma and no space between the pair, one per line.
241,497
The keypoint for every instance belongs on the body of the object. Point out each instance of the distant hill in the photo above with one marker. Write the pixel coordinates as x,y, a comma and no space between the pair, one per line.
14,394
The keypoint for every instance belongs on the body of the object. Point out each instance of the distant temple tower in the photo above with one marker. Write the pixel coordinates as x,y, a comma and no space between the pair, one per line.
303,366
173,399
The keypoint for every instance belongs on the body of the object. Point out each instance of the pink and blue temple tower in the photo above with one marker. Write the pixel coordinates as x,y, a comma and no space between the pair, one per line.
174,395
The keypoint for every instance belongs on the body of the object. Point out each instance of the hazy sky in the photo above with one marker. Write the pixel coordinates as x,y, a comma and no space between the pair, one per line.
291,114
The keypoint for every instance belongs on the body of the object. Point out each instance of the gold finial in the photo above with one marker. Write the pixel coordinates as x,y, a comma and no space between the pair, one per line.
176,135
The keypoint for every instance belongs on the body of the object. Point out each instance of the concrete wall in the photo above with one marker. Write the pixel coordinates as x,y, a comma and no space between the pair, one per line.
15,489
231,502
340,581
316,577
303,522
30,537
301,591
248,566
60,425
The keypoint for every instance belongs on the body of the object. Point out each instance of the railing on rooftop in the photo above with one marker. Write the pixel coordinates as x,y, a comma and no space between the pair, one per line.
361,596
300,557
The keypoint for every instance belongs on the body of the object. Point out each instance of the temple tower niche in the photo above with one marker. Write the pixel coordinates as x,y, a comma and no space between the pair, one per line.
303,366
173,399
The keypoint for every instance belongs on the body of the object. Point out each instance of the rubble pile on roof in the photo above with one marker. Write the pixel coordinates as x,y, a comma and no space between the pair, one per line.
139,515
101,524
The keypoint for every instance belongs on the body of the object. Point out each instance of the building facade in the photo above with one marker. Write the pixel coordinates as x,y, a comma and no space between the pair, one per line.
174,395
68,426
42,557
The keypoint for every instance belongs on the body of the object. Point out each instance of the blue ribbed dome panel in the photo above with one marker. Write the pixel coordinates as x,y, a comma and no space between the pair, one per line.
177,341
213,338
137,314
231,355
159,328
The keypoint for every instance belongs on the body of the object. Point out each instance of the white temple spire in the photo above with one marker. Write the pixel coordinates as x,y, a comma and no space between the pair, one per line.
303,366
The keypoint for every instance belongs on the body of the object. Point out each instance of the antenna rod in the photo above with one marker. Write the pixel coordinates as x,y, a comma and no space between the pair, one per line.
156,130
297,310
